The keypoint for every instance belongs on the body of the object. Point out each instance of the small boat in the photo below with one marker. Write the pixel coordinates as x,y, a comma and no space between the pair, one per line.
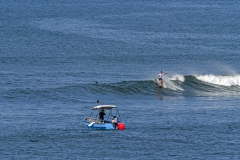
94,122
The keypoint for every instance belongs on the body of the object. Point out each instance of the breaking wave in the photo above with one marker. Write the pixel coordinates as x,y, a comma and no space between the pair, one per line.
177,85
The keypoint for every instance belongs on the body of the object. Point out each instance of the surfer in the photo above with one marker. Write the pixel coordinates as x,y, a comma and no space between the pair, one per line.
160,78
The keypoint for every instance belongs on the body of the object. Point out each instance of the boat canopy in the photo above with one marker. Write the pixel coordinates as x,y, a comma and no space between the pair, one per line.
109,107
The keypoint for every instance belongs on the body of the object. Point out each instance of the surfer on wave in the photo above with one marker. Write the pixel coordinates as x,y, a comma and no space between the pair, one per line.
160,78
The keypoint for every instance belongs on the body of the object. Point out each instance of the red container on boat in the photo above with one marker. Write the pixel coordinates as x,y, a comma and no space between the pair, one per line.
121,126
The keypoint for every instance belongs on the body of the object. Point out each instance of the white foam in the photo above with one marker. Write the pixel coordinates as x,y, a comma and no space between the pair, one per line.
178,77
220,80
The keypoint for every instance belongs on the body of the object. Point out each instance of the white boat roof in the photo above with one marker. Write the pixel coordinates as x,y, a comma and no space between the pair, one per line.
104,107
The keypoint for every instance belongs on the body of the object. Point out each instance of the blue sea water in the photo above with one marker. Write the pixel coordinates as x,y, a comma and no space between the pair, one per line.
52,53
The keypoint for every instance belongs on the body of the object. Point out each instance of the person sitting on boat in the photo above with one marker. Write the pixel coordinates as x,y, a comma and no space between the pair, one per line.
114,122
160,78
101,115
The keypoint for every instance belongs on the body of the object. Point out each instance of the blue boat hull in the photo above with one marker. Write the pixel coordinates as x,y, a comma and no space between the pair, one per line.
100,126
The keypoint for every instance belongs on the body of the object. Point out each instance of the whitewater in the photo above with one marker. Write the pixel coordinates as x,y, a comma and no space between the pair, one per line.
220,80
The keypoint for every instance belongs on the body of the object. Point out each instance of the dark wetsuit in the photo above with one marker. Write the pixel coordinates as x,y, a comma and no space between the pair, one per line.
101,115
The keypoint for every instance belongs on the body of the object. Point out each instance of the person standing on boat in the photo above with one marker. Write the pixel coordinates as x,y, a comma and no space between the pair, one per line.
160,78
101,115
114,122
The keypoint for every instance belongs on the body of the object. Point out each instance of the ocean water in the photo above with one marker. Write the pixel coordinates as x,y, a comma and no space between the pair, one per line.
52,53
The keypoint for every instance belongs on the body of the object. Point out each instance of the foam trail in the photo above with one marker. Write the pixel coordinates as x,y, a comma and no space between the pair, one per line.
220,80
168,84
